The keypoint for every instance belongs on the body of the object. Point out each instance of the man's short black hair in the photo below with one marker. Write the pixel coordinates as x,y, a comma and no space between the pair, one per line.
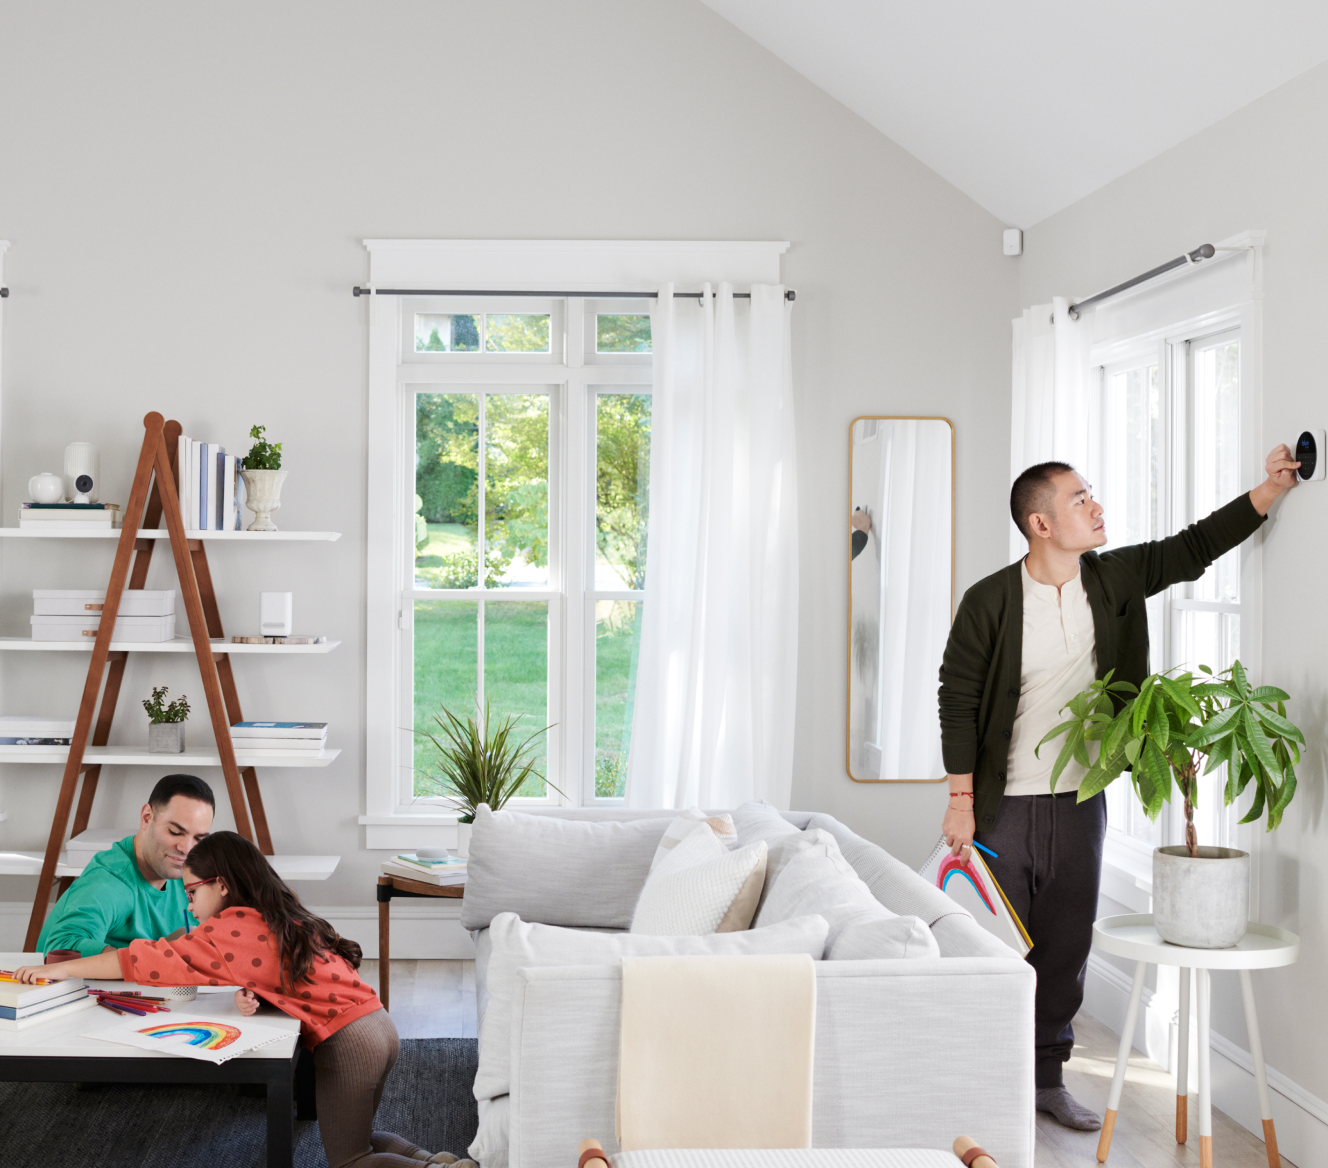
190,786
1035,490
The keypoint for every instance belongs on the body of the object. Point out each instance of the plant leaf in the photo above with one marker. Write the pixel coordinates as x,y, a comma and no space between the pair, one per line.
1278,724
1258,741
1269,693
1256,808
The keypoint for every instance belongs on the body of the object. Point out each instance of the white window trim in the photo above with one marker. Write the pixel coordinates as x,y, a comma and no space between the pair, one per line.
478,265
1224,293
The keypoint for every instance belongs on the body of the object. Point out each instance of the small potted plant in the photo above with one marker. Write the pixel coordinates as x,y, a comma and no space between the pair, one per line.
263,477
166,722
1161,733
479,763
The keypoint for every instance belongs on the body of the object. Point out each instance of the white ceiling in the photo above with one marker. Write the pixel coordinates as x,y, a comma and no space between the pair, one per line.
1030,106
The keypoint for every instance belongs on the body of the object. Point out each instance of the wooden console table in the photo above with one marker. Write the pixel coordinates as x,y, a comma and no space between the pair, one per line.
388,887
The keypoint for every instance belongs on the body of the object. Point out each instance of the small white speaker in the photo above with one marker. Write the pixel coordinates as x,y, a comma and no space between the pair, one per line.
1012,240
275,614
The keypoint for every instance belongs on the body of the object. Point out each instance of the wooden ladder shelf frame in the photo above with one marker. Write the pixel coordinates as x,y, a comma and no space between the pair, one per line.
154,493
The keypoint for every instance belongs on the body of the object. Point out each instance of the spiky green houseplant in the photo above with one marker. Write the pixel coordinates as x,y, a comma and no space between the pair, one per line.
1163,731
479,762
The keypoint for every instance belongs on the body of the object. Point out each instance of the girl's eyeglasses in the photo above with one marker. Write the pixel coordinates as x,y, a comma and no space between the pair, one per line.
189,888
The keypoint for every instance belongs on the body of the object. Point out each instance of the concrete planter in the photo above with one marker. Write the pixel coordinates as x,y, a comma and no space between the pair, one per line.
262,495
165,737
1201,902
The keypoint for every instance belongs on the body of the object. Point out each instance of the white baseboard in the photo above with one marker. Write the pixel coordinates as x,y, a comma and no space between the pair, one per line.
1300,1117
428,931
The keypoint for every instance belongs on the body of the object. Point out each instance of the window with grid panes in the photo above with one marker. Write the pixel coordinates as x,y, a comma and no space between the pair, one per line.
530,425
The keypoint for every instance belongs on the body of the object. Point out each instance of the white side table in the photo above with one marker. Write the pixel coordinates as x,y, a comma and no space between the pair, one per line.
1262,947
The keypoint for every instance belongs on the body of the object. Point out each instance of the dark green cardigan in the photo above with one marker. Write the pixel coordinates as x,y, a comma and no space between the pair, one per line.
984,656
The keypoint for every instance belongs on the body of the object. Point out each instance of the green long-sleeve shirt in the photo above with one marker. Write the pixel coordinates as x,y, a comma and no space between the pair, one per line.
111,904
982,666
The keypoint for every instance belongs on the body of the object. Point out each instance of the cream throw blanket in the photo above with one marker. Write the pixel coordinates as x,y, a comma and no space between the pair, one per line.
716,1052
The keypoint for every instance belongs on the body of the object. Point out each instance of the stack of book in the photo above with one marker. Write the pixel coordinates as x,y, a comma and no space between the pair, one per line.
211,489
69,516
23,1005
449,870
296,738
26,730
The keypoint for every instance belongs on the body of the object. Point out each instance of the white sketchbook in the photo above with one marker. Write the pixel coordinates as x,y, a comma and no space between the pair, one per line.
969,882
208,1039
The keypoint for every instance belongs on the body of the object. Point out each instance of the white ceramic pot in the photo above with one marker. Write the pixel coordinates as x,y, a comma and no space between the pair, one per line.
262,495
46,488
1201,902
165,737
462,849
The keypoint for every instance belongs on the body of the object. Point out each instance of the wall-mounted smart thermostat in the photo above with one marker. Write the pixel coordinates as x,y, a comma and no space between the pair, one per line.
1013,241
1312,454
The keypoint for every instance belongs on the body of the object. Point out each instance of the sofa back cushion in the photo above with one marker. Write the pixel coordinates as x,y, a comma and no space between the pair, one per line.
807,874
556,871
758,820
518,944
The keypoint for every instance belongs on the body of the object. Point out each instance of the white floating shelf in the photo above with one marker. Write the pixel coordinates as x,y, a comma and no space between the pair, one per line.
134,756
162,533
179,645
287,867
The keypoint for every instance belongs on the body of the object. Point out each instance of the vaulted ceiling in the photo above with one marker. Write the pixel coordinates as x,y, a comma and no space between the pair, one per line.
1028,106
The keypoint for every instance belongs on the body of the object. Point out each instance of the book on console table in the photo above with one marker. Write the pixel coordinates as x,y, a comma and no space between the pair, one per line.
448,876
22,1006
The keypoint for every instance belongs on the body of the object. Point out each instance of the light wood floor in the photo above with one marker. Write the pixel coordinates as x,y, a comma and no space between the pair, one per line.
436,999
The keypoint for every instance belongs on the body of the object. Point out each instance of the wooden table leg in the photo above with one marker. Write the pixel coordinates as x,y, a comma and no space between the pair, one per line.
384,955
1122,1061
1183,1060
1260,1071
1203,986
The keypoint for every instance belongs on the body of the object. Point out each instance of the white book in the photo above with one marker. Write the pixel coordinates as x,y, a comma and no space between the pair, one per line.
62,525
48,1015
204,450
226,514
241,494
306,730
415,872
183,456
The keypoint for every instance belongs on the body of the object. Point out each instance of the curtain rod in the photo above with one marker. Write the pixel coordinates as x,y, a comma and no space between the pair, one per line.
1206,252
788,295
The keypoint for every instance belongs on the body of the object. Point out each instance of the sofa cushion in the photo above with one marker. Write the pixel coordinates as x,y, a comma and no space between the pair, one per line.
758,820
556,871
701,887
811,876
518,944
685,824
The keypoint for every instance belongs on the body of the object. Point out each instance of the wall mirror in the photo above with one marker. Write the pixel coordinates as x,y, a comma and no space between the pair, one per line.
901,594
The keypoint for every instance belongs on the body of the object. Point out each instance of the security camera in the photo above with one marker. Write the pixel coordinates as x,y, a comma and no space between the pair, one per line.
1311,449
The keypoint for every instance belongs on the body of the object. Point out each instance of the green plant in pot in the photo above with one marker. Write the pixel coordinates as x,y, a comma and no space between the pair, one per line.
263,476
480,760
1163,733
166,721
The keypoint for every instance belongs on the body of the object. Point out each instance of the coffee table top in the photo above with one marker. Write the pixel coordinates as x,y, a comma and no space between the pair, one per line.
1134,935
63,1037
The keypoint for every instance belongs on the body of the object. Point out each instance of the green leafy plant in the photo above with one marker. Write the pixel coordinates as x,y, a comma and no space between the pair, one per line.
1163,731
480,762
159,711
263,455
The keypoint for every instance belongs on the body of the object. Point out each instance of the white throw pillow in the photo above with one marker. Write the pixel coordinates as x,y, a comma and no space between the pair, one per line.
760,820
701,887
812,876
685,824
521,945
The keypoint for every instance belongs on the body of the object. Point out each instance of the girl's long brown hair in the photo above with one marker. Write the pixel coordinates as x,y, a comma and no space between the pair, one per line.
251,883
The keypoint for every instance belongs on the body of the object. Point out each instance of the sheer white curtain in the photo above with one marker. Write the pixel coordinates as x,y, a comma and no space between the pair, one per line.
713,718
1052,407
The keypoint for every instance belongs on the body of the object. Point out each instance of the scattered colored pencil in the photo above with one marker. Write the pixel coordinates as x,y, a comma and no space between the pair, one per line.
8,975
113,1009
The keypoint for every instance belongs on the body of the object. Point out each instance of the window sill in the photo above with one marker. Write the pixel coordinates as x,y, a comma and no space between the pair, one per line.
404,833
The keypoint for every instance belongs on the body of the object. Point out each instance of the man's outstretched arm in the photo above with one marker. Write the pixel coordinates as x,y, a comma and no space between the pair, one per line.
84,917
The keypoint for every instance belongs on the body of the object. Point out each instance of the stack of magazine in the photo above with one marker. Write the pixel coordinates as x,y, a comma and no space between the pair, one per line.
22,1005
290,738
450,870
25,730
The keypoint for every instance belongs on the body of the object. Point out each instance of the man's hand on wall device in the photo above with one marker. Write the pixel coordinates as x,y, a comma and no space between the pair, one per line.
1281,470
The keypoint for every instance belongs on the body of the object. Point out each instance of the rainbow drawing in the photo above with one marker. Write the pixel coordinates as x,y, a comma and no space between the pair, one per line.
954,866
208,1035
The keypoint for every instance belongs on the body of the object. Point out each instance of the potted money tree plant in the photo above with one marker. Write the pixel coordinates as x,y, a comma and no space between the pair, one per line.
1163,733
165,722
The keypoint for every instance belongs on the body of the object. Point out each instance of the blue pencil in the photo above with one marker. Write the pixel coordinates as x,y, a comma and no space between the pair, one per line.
985,851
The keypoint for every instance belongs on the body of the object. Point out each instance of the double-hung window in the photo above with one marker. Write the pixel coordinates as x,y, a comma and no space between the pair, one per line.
521,577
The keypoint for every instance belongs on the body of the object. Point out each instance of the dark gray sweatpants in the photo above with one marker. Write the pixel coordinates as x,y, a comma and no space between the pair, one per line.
1049,865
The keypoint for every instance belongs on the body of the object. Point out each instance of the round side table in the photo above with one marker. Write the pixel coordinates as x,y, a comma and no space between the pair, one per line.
1262,947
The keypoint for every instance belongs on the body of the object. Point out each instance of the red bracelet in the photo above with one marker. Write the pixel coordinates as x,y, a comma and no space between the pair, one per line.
961,794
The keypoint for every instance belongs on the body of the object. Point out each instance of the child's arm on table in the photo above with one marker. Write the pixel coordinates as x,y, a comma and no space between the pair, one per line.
100,967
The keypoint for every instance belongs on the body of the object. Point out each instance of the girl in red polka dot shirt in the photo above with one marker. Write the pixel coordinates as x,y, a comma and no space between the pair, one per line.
257,935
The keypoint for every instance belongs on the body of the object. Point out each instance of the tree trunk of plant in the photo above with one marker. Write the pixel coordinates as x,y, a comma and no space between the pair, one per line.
1191,777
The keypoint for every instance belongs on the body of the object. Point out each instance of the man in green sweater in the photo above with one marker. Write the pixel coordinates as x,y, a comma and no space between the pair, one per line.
1024,641
133,890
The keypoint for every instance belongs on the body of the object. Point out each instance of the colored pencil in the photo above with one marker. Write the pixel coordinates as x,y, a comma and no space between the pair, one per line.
113,1009
125,1007
8,975
146,1007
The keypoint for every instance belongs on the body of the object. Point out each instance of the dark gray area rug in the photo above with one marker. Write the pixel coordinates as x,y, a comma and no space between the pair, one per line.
61,1125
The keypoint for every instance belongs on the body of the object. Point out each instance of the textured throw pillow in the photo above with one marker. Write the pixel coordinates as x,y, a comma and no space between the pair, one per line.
701,887
520,945
813,877
573,872
758,820
685,824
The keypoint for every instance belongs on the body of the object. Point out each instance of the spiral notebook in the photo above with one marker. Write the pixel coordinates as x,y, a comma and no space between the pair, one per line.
970,883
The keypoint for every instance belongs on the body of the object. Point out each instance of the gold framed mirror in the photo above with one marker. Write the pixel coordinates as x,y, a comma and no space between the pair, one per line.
900,595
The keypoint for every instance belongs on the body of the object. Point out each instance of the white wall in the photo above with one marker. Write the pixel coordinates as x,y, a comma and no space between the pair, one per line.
1264,167
185,189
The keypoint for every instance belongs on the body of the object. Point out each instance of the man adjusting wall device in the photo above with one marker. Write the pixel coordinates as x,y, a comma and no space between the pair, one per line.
1025,640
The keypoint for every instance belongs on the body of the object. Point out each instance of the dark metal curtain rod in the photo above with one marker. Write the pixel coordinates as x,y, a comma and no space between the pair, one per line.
788,295
4,292
1206,252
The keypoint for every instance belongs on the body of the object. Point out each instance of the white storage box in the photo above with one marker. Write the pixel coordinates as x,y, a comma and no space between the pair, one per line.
87,844
85,602
19,726
143,629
